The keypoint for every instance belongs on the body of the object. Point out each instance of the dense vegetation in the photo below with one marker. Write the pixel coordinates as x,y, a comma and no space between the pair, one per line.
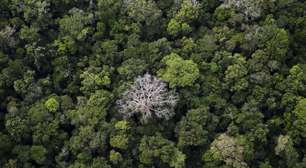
152,83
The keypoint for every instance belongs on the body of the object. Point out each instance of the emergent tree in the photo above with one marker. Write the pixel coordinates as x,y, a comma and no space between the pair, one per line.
148,97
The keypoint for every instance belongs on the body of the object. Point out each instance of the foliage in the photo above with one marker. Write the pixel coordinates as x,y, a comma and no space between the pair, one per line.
227,85
179,72
226,149
158,147
94,79
52,105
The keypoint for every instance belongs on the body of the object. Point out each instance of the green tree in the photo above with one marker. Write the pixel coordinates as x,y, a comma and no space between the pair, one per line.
76,24
236,74
115,157
6,145
143,11
163,149
94,79
180,23
52,105
226,148
285,149
179,72
38,154
120,137
296,119
193,129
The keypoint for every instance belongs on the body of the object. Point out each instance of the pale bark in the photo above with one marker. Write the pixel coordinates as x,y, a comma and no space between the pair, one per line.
149,97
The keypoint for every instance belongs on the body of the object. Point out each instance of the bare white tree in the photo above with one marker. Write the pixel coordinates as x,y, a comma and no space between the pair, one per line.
148,97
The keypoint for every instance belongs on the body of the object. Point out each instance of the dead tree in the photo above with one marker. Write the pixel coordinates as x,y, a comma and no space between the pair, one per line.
148,97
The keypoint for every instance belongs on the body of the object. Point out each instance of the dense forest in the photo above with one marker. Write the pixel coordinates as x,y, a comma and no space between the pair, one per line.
152,83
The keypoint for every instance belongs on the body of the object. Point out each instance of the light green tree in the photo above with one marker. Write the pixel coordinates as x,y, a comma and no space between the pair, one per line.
52,104
179,72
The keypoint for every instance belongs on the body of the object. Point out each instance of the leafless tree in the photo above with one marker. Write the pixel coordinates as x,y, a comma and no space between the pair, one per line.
148,97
